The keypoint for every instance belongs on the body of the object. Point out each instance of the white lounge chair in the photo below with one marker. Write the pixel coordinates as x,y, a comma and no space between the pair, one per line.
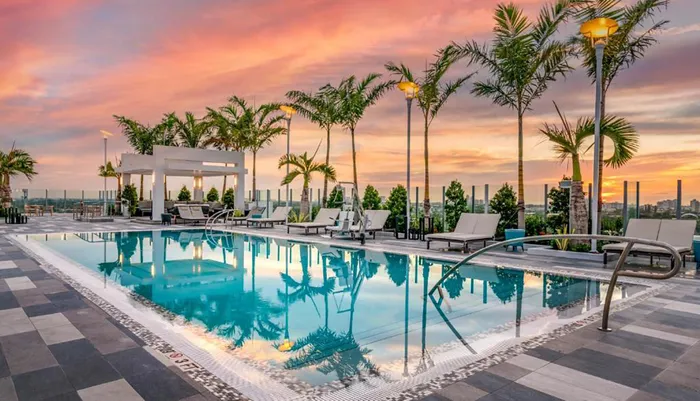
471,227
186,214
343,223
278,216
375,221
323,218
677,233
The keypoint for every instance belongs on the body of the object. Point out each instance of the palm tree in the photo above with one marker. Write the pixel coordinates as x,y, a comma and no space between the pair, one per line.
629,44
432,96
227,132
139,136
13,163
305,166
190,133
260,126
568,143
304,289
164,134
522,60
109,171
322,109
354,98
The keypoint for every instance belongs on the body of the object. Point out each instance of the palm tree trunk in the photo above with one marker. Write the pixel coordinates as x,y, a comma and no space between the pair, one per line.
328,160
255,154
521,177
165,187
579,214
304,211
141,189
354,157
426,198
601,164
223,189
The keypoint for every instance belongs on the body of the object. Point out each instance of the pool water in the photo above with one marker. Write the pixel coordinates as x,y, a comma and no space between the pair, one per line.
322,313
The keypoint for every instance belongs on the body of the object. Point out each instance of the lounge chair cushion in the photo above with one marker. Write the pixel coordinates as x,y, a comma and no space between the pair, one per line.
678,233
643,228
658,249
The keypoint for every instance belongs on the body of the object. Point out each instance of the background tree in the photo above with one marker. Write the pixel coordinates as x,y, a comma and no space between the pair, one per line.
305,167
213,195
190,132
108,171
505,203
354,98
455,204
184,195
227,131
396,205
371,199
523,60
558,216
568,143
322,109
335,199
131,197
636,34
140,137
164,134
229,198
13,163
433,94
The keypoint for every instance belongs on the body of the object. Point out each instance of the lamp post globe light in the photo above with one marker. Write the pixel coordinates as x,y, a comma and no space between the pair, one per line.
598,30
288,113
105,135
410,89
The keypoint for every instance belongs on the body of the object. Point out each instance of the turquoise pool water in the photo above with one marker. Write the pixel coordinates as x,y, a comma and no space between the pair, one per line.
323,313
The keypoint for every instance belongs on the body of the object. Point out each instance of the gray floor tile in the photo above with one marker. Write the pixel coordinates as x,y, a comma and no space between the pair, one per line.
671,392
636,356
557,388
518,392
134,361
507,370
160,385
41,309
644,396
8,301
30,298
72,352
14,321
60,334
673,318
89,372
650,345
7,389
487,382
41,384
107,338
50,286
118,390
545,354
461,392
26,352
627,372
434,397
3,286
85,316
679,379
4,367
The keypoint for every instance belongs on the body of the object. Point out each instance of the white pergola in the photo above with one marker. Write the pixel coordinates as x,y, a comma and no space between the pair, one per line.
174,161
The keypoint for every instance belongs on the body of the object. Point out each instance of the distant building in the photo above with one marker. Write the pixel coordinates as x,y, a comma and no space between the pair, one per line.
668,204
695,206
612,206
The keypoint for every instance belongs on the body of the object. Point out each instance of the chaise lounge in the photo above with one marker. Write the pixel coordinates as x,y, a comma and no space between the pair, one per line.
471,227
323,218
677,233
279,216
376,219
192,214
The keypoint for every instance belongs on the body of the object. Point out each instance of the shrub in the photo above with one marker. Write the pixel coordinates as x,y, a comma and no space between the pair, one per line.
505,203
371,199
297,217
535,225
131,196
335,199
228,198
184,194
611,225
455,204
558,208
396,204
213,195
314,211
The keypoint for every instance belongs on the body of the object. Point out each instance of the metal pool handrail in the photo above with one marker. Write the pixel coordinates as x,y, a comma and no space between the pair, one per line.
214,217
675,264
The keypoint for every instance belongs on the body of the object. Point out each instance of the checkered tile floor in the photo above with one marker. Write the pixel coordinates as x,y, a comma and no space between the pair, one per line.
56,345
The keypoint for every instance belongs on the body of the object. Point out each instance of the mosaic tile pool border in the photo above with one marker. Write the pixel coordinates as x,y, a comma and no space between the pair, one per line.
416,390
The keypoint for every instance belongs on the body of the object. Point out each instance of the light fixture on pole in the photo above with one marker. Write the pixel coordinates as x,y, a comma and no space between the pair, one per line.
598,30
410,89
288,113
105,135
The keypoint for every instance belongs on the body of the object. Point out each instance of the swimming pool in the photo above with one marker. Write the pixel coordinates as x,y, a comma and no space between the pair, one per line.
321,316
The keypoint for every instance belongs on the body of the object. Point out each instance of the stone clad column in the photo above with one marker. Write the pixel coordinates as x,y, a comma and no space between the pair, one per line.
198,189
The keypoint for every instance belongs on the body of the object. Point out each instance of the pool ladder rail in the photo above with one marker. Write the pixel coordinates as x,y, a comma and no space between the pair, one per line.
676,261
209,226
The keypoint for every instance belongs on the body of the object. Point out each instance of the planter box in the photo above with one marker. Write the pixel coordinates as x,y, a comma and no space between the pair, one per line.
586,256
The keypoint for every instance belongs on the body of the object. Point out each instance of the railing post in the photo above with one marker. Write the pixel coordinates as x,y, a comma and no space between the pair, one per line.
638,205
311,197
486,198
65,200
267,205
624,207
82,196
46,199
546,200
473,199
279,195
318,197
416,203
679,202
443,208
291,202
590,207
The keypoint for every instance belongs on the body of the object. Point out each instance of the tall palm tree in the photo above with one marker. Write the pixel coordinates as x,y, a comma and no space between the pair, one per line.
322,109
109,171
190,132
164,134
433,94
305,167
139,136
523,60
304,289
355,97
636,34
568,143
227,131
260,125
13,163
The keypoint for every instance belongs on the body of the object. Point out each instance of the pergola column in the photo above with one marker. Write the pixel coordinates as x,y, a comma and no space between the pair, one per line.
158,195
239,199
198,189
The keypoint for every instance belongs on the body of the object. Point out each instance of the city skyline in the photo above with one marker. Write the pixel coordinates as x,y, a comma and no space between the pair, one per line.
68,67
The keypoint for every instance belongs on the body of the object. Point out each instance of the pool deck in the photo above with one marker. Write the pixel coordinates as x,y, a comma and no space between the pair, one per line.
55,344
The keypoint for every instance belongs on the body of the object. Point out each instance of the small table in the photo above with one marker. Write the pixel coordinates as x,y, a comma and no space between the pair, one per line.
696,249
513,233
166,219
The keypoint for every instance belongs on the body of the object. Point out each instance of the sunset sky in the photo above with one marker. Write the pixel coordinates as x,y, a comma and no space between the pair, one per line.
68,65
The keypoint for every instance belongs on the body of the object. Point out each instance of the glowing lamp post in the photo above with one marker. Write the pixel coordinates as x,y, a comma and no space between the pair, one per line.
598,30
105,135
288,113
410,89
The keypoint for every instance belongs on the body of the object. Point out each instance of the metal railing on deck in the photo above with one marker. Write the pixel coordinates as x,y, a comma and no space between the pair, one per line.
676,261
